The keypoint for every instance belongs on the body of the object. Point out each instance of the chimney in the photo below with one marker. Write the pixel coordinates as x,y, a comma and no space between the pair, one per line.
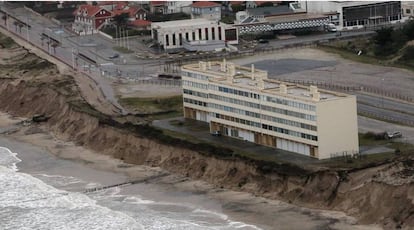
316,96
223,65
313,89
232,69
202,65
283,88
253,72
261,84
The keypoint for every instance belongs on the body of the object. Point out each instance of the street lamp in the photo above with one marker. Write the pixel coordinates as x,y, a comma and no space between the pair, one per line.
27,29
382,93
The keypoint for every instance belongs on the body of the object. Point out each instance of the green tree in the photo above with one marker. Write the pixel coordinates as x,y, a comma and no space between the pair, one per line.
408,30
121,20
4,17
408,54
266,4
238,7
388,41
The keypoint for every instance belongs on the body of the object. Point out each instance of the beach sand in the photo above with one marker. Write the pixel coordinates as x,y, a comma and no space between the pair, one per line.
39,149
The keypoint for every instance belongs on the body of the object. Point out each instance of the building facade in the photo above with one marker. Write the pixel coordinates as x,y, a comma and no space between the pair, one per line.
280,18
170,35
89,19
357,14
207,10
243,103
407,9
178,7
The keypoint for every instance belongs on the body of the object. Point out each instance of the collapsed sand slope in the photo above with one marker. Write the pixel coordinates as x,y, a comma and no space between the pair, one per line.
372,195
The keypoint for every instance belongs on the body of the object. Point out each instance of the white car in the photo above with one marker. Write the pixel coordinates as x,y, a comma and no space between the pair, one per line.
394,134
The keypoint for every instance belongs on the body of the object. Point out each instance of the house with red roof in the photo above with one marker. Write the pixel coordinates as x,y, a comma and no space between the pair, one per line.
89,19
140,24
111,5
207,10
134,12
255,4
158,7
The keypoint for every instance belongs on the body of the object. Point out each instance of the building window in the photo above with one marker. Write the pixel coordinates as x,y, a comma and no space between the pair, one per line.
206,31
213,34
167,40
199,34
173,38
180,37
219,33
408,11
186,36
193,37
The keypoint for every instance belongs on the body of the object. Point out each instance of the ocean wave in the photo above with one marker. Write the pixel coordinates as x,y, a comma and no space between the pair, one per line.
8,158
27,202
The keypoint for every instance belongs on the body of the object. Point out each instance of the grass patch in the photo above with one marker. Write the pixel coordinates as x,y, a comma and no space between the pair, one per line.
6,42
156,108
351,55
83,107
367,59
122,50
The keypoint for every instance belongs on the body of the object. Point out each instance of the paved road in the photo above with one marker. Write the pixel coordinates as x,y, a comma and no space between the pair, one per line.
40,25
385,108
385,103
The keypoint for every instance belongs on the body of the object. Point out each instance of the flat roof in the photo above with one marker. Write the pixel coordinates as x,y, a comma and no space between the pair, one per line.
243,79
295,17
182,23
269,10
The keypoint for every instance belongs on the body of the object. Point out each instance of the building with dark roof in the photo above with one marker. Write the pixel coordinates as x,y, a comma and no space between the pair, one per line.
279,18
207,10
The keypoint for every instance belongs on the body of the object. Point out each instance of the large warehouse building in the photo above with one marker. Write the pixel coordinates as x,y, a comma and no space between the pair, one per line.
243,103
357,14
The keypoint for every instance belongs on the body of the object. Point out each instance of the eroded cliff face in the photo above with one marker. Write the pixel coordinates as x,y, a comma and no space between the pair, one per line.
382,194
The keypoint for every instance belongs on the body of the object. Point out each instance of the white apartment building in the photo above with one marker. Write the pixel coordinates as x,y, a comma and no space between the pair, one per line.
178,7
171,35
243,103
356,14
407,8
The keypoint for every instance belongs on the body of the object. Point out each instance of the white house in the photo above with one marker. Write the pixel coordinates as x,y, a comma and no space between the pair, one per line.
207,10
179,7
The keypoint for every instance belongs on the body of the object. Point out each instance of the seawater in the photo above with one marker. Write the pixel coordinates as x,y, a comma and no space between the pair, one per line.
42,201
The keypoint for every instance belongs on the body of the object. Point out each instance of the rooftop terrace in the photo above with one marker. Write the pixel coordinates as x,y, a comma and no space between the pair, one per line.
256,80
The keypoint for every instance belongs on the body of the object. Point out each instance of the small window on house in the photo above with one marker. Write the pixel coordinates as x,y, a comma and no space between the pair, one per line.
408,11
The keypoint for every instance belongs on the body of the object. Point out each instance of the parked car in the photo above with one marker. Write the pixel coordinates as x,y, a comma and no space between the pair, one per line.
216,133
394,134
114,56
